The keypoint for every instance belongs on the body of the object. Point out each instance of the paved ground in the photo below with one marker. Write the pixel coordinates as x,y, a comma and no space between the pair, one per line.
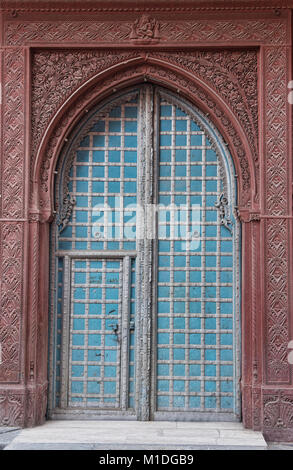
128,435
7,434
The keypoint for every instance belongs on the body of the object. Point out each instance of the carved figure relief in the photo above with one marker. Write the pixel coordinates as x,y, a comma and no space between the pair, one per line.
145,29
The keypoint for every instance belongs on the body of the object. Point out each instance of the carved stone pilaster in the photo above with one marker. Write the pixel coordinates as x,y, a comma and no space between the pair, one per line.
11,300
13,129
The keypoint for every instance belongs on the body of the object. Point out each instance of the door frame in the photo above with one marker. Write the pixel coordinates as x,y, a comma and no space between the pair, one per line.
92,62
146,265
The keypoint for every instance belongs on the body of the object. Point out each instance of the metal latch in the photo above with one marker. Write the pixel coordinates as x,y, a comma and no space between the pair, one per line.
115,328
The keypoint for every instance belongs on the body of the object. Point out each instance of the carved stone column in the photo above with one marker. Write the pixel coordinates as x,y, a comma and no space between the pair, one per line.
12,238
277,247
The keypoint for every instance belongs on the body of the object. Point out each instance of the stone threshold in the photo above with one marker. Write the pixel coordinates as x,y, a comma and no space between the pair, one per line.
132,435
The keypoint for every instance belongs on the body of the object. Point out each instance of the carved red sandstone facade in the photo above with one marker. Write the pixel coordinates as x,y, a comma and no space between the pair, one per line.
53,68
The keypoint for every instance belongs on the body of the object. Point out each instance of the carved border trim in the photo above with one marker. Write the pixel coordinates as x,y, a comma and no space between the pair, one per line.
30,7
271,31
277,301
11,265
276,201
13,133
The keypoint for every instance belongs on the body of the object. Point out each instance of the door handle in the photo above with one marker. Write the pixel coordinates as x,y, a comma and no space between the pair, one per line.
115,328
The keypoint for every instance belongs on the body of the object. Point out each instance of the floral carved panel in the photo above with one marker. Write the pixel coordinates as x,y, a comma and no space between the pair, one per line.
11,259
276,92
13,134
12,207
226,81
57,74
277,301
278,413
233,74
12,408
277,204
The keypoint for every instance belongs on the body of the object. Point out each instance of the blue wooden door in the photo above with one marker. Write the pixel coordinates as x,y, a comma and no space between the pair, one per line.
196,271
95,256
145,265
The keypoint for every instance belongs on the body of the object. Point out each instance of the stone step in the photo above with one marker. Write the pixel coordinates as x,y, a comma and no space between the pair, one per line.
131,435
7,434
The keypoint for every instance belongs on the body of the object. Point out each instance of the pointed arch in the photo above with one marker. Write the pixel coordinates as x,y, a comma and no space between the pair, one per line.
130,72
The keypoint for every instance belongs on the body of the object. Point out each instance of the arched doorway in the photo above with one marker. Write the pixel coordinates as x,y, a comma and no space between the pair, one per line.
145,266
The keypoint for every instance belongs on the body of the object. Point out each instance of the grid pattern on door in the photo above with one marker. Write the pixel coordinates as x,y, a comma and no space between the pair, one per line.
95,326
103,180
194,358
195,282
103,183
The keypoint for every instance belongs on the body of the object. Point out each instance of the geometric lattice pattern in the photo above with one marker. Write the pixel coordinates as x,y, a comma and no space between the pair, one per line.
102,179
96,296
195,286
194,324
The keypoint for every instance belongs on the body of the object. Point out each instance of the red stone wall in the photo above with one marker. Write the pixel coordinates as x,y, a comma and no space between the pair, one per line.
234,63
